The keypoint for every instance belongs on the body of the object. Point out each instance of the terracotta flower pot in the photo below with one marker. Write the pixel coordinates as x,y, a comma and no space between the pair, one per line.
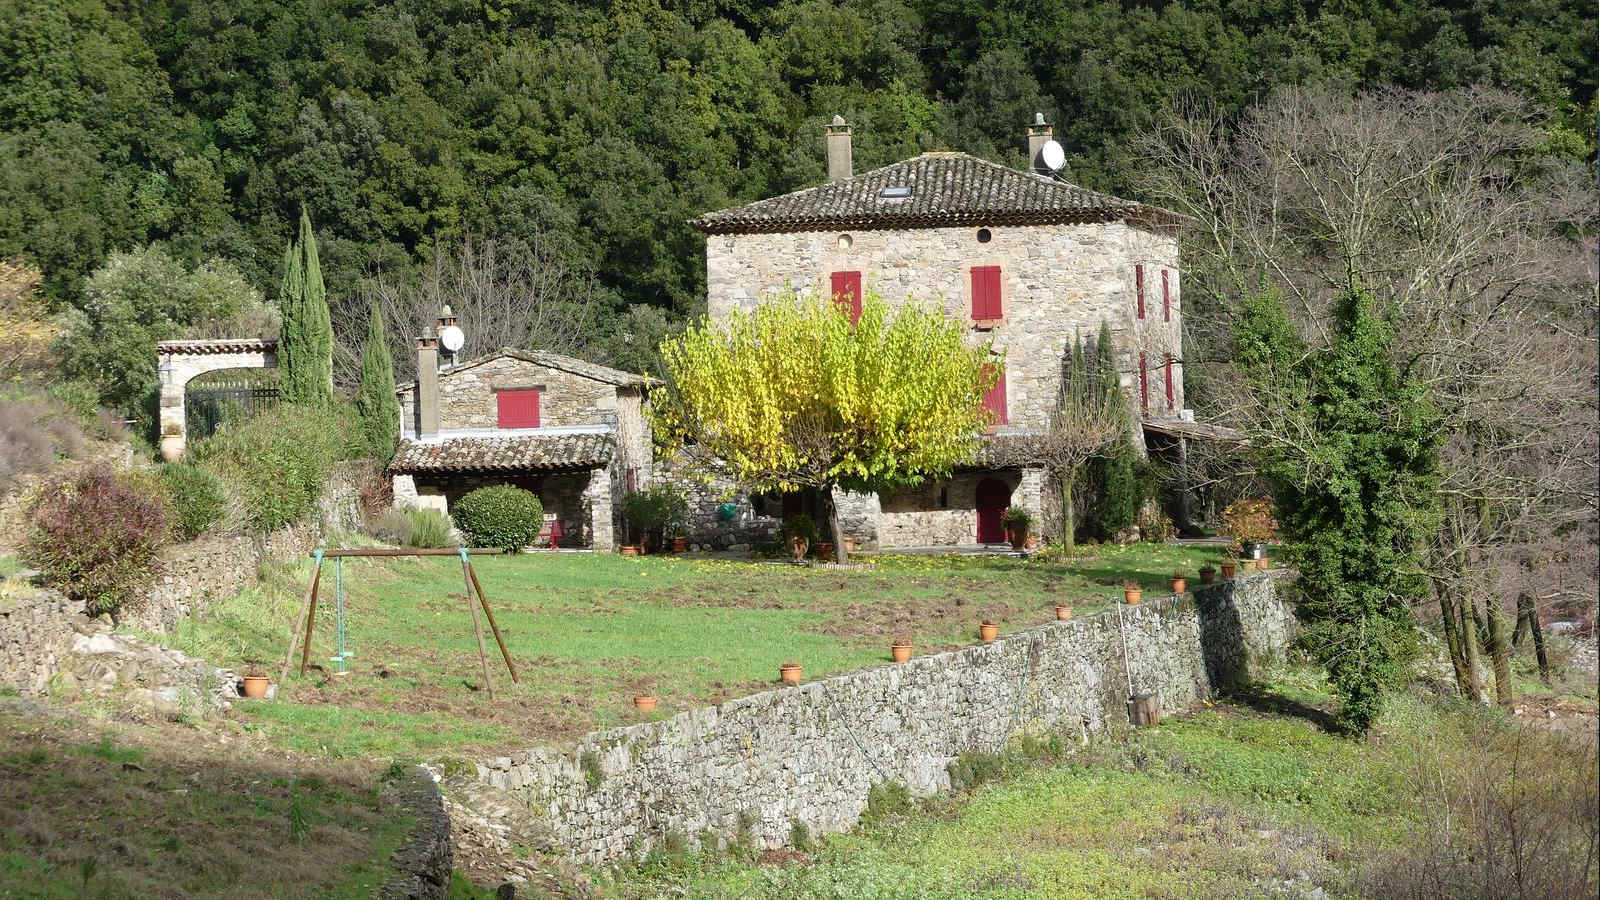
988,631
1227,570
825,550
901,652
1261,562
1063,613
628,550
1131,596
790,674
1179,585
645,703
255,686
1031,542
1208,575
680,545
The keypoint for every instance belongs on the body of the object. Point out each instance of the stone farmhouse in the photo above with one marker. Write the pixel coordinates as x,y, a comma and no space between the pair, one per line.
1028,260
571,431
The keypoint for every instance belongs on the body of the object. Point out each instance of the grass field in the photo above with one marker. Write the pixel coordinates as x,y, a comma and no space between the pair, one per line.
1233,801
588,631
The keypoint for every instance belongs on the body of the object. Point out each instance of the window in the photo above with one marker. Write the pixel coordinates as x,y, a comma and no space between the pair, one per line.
986,293
1166,298
1138,287
995,399
1144,384
1170,400
847,291
518,409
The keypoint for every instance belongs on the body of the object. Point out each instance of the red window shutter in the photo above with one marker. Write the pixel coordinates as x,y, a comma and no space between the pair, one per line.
986,292
1166,298
1138,286
1169,381
517,409
994,400
1144,384
847,290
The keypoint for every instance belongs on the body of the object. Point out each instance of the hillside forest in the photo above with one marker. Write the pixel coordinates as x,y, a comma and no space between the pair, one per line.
567,144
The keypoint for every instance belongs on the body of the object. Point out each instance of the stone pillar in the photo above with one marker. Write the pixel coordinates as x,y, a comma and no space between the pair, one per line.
405,490
1030,495
174,428
597,506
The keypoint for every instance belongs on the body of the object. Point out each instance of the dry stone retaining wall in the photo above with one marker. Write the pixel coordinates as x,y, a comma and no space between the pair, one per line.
811,754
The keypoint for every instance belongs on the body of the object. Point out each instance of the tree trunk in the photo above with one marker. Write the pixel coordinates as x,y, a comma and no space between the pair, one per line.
1452,639
1499,654
1527,614
1469,643
1068,526
839,555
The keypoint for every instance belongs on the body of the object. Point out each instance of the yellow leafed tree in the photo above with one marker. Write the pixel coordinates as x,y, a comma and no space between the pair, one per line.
792,395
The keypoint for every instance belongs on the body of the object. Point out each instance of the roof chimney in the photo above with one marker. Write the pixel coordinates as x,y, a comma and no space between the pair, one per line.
839,165
1039,134
427,386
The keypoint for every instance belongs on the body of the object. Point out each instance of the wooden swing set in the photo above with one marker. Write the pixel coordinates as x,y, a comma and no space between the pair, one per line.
308,608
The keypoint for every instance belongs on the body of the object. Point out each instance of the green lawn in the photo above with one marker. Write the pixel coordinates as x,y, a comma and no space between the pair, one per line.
588,631
1231,802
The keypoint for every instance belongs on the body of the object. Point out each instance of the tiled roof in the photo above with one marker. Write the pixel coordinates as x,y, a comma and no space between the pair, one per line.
947,189
217,345
557,451
1002,451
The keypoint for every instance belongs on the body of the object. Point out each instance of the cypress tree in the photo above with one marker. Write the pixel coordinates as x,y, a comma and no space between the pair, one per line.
377,408
1355,482
1113,473
305,350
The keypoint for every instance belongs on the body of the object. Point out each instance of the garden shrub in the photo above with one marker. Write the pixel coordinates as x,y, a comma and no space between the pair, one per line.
35,432
95,537
502,515
428,528
197,497
277,462
392,526
1115,478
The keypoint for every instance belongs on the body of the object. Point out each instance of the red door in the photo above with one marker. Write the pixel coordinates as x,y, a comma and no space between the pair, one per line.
993,498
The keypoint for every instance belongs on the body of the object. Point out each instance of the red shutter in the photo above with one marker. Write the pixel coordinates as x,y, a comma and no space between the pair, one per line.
847,290
1138,285
1144,384
517,409
986,293
1169,381
994,400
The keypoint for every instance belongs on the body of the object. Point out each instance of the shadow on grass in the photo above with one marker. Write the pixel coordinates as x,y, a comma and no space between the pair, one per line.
1263,700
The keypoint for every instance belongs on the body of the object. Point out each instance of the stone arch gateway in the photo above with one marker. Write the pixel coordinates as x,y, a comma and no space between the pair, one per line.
178,362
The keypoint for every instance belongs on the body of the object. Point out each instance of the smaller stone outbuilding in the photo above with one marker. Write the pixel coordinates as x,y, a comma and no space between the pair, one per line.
571,431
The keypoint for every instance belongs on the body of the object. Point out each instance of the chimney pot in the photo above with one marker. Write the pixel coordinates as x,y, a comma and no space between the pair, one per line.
1039,134
840,166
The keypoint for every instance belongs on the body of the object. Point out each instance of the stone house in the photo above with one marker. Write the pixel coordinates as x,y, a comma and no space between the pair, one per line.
573,432
1028,260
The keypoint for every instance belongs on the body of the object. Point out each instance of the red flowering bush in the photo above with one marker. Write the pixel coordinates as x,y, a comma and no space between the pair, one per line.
95,537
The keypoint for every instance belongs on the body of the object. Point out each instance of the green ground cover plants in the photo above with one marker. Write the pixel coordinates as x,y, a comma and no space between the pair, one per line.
587,631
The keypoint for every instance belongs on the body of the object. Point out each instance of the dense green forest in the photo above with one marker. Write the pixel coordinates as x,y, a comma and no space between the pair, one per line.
203,125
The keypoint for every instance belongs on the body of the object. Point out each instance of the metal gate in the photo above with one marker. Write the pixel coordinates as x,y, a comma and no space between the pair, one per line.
219,403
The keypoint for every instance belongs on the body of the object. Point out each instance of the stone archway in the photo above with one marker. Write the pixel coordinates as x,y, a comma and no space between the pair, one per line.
180,361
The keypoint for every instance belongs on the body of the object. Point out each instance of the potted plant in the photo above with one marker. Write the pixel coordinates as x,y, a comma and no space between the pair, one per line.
1017,522
1179,583
1227,570
790,672
1131,592
799,533
1063,613
1208,574
680,543
1261,562
1250,524
988,631
255,681
628,550
900,649
645,703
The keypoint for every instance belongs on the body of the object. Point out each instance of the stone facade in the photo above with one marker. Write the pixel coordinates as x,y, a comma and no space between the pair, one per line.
811,754
467,396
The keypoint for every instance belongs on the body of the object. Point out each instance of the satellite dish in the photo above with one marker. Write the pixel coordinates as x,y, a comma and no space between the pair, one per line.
1053,156
452,338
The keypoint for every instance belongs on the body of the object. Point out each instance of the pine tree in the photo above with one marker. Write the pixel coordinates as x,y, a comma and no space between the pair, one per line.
1353,461
377,407
305,349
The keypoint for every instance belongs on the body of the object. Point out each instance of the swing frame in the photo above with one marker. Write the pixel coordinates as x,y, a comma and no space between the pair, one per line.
474,589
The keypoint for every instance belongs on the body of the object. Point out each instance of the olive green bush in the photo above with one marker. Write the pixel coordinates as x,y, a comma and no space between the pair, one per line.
502,515
278,462
197,497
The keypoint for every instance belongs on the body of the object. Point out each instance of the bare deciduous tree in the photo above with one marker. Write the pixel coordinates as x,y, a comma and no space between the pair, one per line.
506,293
1442,206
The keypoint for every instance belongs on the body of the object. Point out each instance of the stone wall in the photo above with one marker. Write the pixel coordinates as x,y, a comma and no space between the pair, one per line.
467,395
751,524
422,864
812,753
1057,281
